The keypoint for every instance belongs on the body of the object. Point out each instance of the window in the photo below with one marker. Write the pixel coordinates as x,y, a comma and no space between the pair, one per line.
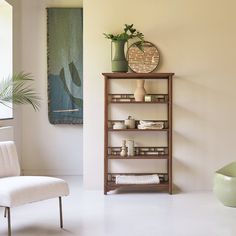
6,51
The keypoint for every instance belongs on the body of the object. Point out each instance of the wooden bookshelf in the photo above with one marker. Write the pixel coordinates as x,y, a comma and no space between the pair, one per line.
152,153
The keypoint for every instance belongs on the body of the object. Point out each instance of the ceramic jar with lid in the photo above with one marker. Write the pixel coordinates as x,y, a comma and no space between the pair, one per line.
130,123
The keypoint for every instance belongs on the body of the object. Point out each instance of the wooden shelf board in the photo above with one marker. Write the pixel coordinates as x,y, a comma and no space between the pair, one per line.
138,157
112,130
163,185
134,102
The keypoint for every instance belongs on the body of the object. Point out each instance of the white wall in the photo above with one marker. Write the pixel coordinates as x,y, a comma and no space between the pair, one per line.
197,43
14,132
46,149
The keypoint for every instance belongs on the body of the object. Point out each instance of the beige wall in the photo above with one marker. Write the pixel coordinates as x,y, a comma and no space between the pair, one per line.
197,42
46,149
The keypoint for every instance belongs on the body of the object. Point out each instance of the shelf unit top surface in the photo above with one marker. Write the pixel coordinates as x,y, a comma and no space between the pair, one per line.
138,75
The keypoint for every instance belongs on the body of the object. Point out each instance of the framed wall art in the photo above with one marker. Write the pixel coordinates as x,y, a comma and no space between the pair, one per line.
65,65
145,60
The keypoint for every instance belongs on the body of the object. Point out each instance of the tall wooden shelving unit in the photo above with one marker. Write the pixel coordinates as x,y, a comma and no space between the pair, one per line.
112,153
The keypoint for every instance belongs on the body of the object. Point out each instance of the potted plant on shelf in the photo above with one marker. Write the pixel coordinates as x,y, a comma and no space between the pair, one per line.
17,90
119,62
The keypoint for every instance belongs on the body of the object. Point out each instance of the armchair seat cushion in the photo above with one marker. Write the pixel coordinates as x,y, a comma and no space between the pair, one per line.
18,190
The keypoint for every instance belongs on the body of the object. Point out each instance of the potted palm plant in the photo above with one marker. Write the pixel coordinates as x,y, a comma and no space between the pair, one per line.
119,62
17,90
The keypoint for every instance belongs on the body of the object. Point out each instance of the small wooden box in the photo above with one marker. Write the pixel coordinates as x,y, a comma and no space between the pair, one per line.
147,98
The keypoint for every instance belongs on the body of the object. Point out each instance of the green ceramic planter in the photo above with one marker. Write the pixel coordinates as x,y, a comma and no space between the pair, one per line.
119,62
225,184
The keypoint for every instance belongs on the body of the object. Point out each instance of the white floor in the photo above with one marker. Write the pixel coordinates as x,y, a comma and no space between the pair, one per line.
90,213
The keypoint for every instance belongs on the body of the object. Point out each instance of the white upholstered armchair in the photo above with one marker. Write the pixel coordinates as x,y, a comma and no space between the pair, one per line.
16,190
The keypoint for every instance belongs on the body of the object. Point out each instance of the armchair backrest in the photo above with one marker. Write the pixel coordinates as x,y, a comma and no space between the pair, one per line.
9,163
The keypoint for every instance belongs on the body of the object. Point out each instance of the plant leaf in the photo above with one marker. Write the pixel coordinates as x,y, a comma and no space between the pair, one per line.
129,33
18,91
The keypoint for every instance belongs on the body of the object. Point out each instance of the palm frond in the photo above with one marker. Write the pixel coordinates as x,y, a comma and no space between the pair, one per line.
18,90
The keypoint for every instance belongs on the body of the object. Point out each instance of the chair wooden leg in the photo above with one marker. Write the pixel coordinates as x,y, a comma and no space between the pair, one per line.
9,220
60,207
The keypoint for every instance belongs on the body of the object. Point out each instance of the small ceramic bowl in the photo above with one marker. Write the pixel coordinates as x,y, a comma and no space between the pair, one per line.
119,125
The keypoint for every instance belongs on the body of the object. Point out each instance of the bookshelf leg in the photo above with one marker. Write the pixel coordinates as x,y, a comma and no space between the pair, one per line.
105,191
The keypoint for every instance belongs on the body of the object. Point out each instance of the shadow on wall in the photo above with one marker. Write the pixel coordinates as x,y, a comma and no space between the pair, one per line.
189,146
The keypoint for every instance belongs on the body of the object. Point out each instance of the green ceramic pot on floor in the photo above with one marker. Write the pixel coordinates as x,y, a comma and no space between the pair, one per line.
225,184
119,62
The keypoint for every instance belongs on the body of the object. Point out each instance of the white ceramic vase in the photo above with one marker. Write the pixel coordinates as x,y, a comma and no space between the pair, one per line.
140,91
130,144
123,149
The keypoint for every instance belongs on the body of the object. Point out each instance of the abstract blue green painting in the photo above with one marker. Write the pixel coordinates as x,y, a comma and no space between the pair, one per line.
65,65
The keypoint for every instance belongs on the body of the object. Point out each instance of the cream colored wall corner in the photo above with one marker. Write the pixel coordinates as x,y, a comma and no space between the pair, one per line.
46,149
14,132
197,42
